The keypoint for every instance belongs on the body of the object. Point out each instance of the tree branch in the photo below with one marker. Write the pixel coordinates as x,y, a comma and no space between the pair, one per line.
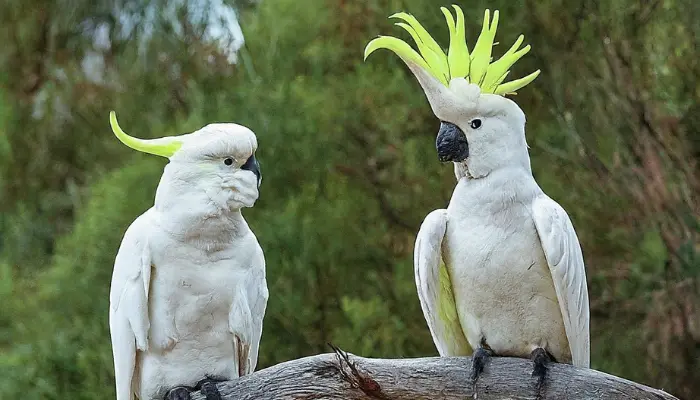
341,375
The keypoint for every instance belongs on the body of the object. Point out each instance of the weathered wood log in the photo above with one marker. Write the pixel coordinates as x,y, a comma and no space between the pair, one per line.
341,375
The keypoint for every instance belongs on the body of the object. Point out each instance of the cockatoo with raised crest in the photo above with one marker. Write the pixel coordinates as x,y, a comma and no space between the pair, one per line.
189,291
500,271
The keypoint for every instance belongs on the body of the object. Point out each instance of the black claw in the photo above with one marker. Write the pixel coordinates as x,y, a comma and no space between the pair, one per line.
208,387
208,379
540,358
210,391
479,360
178,393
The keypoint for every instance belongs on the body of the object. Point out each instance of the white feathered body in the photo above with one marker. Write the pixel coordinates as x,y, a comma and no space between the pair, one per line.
204,306
502,283
502,268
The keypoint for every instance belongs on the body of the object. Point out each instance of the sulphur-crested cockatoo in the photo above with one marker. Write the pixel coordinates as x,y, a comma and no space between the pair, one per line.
188,290
500,271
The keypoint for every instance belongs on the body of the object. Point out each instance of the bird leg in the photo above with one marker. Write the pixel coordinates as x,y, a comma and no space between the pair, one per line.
208,388
540,358
479,359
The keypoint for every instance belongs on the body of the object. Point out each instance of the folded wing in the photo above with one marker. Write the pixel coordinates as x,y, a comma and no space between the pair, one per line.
128,311
259,296
563,253
435,287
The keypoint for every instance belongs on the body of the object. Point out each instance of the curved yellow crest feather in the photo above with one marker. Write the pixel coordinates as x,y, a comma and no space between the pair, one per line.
458,63
164,147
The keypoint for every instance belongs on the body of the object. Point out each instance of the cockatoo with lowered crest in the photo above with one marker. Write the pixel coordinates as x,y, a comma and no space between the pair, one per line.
500,271
188,290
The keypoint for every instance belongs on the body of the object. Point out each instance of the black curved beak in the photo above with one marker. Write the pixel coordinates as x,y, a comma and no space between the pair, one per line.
451,143
253,166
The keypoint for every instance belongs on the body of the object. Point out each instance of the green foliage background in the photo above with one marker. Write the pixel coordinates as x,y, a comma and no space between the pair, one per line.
350,171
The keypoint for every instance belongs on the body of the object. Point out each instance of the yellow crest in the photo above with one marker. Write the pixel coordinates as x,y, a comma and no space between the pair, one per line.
164,147
458,62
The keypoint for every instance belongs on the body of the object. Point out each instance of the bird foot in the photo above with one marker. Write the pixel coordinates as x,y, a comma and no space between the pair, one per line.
479,360
540,358
179,393
208,388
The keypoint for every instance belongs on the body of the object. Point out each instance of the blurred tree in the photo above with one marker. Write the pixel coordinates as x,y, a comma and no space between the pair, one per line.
349,169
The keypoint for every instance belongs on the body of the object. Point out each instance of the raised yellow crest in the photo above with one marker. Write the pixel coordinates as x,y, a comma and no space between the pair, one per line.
458,62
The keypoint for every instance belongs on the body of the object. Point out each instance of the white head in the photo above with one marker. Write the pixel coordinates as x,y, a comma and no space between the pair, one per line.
481,130
212,171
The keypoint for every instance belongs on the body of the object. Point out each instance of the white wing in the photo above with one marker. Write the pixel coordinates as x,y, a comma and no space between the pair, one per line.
258,305
128,311
563,253
247,313
435,287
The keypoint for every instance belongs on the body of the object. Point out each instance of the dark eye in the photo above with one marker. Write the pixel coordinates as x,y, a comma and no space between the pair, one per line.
228,161
475,124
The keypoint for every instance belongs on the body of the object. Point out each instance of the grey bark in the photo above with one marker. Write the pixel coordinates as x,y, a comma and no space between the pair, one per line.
341,375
